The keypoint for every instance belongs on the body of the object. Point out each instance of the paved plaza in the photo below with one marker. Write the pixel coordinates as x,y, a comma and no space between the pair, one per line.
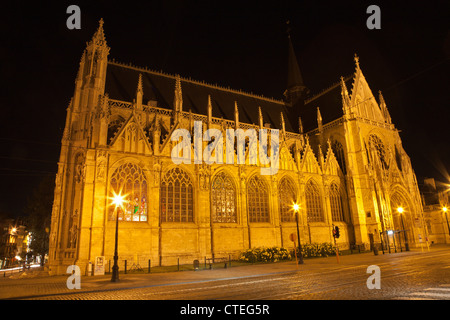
417,274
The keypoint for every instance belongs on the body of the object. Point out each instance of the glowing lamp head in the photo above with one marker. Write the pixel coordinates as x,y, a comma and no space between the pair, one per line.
400,210
118,200
445,209
296,207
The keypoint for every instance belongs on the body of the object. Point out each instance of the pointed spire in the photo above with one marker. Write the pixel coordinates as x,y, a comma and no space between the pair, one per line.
356,58
283,124
300,125
384,109
178,99
236,115
321,158
345,96
139,93
209,110
98,38
295,84
319,119
260,118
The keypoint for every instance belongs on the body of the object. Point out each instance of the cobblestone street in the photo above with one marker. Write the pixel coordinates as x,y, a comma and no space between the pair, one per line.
408,275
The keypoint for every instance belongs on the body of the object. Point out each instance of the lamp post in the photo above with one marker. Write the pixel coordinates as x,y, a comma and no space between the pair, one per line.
296,208
400,211
445,209
118,201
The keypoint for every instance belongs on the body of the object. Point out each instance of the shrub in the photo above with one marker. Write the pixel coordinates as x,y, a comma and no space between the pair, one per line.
324,249
263,254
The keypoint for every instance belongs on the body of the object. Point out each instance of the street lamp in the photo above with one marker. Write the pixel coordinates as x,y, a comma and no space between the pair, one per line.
296,208
445,209
118,200
400,210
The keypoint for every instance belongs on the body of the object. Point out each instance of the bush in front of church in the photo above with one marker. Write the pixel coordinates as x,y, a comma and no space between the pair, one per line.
265,254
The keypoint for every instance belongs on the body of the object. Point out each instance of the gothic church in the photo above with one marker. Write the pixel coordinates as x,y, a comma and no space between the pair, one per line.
340,158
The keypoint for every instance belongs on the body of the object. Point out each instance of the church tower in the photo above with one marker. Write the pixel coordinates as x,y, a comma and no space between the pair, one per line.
86,127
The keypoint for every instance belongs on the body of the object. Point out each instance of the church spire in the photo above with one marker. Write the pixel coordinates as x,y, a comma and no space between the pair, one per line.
139,93
295,85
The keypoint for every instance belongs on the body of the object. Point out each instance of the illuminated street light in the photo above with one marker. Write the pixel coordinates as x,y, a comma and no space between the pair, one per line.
118,201
296,208
445,209
400,210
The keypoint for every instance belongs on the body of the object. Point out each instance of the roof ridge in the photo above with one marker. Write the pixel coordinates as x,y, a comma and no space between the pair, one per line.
326,90
202,83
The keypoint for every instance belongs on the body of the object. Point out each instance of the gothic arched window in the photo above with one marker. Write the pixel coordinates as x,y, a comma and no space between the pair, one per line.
398,158
129,180
177,197
114,126
223,199
337,213
313,203
286,198
338,151
258,200
376,142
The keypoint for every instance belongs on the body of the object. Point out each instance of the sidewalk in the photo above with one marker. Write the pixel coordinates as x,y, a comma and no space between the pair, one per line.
36,283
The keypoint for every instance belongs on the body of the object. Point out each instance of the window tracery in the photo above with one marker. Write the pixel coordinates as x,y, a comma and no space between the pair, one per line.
223,199
337,213
313,203
258,200
129,180
177,197
286,198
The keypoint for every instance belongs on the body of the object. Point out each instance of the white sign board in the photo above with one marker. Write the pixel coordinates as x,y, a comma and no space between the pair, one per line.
99,266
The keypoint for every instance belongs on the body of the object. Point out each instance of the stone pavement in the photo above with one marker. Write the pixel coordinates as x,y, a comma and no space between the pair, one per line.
37,284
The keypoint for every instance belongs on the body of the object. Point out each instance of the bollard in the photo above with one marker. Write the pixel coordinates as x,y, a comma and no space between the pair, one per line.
178,263
125,266
149,264
196,265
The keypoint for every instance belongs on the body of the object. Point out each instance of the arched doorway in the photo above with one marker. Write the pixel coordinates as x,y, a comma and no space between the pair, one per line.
401,212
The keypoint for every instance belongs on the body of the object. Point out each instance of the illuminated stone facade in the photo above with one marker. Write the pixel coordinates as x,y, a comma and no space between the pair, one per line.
346,167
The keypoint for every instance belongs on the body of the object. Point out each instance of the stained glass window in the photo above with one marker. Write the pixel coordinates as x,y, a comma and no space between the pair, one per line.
223,199
129,180
177,197
381,151
313,203
258,200
286,198
337,213
338,151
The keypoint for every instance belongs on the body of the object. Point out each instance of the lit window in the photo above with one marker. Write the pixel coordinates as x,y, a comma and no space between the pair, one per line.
129,180
313,203
381,151
177,197
223,196
286,197
337,213
338,151
258,200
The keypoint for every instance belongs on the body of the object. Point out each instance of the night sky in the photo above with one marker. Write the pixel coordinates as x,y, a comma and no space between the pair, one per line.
228,43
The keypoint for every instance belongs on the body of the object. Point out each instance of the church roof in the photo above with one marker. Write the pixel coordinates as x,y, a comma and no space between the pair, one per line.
329,101
121,84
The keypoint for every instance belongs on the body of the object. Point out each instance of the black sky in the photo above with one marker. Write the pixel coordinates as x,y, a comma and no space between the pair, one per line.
238,44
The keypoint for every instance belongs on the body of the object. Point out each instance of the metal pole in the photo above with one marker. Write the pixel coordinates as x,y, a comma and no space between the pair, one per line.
448,226
300,258
115,268
406,239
